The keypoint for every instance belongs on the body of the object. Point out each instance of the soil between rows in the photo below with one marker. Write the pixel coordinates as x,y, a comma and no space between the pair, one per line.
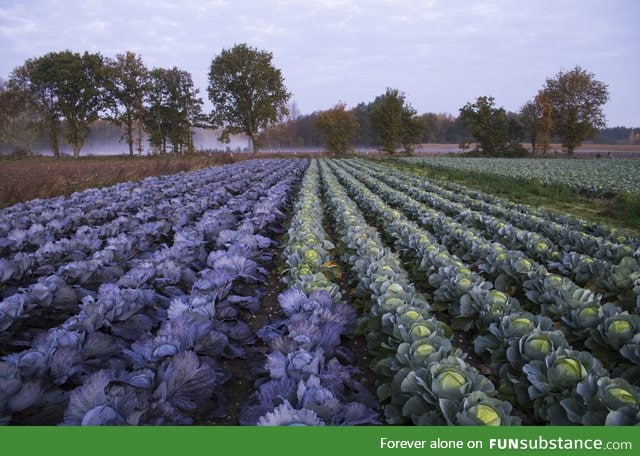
245,371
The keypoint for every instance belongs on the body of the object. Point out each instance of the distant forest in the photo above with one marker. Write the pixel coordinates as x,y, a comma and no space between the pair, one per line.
439,128
298,131
617,135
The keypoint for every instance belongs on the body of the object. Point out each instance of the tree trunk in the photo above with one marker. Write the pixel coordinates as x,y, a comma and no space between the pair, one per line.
130,139
130,143
129,132
139,138
253,144
76,150
191,150
53,140
533,145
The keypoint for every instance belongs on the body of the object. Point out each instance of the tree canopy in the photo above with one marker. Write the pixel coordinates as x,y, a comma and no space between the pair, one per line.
173,108
493,131
67,92
128,81
78,82
395,121
21,120
247,92
576,99
34,79
337,128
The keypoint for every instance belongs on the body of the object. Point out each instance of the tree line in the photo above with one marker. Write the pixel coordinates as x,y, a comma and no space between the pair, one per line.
568,109
388,122
64,93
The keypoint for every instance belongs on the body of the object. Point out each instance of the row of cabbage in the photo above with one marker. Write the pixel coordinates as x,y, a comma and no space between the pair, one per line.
566,230
602,266
310,377
534,218
144,348
424,378
30,225
38,285
596,177
512,271
538,368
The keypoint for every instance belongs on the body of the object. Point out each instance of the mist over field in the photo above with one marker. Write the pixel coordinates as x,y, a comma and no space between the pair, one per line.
106,140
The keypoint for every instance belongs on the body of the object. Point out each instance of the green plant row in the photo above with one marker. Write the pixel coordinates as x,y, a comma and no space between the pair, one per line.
595,177
526,350
578,310
506,268
615,272
610,244
561,228
553,220
310,264
431,383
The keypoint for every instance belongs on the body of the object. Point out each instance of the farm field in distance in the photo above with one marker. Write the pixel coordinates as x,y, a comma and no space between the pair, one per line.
593,177
601,191
285,291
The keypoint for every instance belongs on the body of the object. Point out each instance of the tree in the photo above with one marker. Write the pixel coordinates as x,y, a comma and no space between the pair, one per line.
173,108
21,121
156,105
290,126
412,130
545,120
247,92
185,110
306,130
576,98
494,132
128,82
537,122
431,132
285,132
365,135
337,128
442,128
78,82
394,121
617,135
530,119
454,130
515,131
35,78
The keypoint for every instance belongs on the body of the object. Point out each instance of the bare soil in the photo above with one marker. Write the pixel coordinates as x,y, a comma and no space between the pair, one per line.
244,371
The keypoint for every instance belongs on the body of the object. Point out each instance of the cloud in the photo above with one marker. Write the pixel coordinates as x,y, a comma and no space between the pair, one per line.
441,53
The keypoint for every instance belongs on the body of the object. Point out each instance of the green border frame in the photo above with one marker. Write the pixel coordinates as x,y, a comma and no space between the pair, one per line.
282,441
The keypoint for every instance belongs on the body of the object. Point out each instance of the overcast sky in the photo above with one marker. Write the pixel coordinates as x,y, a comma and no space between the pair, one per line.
442,54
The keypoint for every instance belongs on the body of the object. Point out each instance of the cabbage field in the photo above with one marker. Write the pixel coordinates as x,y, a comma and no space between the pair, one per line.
595,177
124,305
